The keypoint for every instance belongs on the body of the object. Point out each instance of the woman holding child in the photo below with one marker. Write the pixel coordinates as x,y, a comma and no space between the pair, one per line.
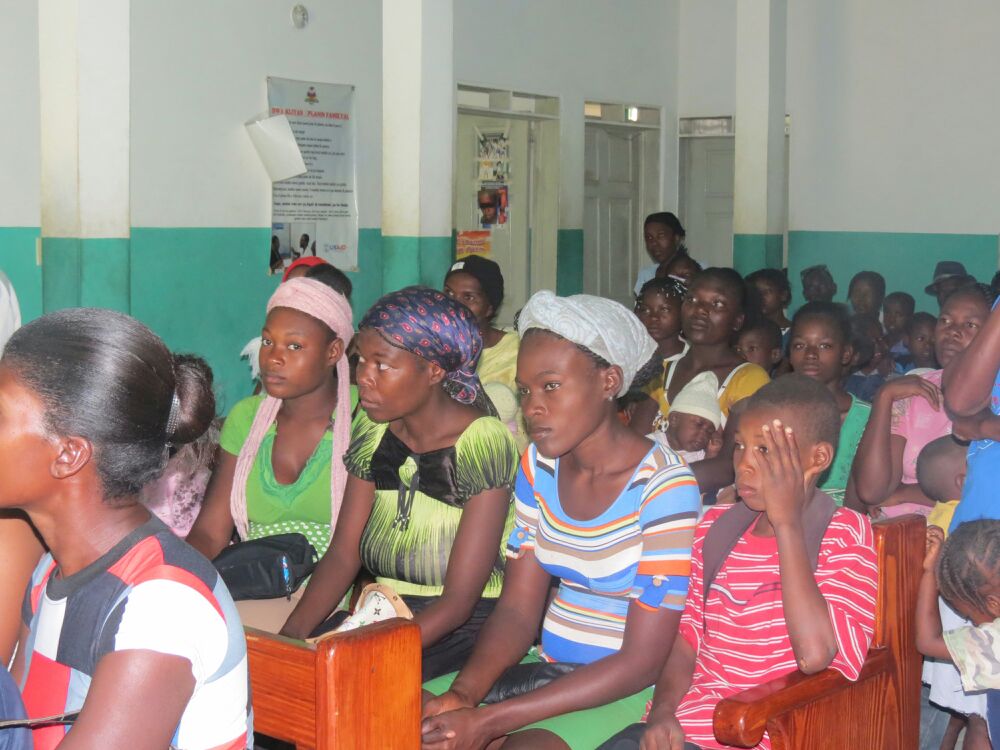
908,412
712,311
603,509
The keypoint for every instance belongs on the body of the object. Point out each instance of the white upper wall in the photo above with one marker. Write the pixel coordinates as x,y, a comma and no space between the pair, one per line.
20,155
199,71
622,52
706,78
894,111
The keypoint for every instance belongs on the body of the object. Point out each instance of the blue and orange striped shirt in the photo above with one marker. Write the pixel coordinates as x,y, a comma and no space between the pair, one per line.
639,549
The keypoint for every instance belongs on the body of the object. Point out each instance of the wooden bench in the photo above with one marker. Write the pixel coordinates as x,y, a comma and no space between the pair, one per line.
881,710
358,690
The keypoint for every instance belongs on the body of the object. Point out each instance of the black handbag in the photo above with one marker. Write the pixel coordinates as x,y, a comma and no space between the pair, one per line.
266,568
523,678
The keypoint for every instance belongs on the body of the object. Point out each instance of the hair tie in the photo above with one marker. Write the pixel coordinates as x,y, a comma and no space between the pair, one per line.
175,413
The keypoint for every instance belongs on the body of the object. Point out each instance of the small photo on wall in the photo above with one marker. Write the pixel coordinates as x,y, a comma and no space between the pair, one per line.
303,238
492,205
280,248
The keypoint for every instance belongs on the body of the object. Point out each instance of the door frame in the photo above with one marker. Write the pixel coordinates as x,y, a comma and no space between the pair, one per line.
543,162
646,121
724,127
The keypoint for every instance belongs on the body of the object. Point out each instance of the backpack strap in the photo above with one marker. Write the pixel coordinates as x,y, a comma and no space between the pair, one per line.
729,527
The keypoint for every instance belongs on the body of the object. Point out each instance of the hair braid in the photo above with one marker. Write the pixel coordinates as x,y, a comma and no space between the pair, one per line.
969,568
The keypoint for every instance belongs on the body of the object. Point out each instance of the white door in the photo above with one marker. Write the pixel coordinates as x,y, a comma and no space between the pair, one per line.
706,198
613,250
509,241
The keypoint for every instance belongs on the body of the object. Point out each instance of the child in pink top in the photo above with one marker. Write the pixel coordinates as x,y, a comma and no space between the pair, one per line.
918,422
176,497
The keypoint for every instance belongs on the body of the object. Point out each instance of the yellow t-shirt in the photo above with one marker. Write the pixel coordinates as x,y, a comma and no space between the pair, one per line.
745,380
498,364
941,515
497,371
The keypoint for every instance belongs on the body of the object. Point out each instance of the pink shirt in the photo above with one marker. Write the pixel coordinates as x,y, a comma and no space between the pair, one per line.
919,423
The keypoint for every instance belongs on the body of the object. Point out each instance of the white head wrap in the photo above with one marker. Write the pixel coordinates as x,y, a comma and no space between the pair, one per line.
605,327
700,397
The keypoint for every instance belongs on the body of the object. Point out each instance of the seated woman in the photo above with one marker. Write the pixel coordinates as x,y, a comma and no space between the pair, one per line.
606,511
430,472
279,469
820,348
908,413
712,312
121,616
477,283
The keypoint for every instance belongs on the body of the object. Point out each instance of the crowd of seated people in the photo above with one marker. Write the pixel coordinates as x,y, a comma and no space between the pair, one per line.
545,502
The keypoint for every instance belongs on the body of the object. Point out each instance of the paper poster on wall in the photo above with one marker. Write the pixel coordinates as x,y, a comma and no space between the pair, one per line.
493,155
473,242
316,213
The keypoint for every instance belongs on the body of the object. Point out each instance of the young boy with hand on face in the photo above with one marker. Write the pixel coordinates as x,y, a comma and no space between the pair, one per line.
781,581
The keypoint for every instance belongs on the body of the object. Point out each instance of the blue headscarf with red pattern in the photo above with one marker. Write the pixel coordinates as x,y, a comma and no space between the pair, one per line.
425,322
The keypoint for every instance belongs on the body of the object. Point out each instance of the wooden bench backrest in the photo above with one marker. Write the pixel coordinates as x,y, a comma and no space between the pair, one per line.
353,691
900,543
882,708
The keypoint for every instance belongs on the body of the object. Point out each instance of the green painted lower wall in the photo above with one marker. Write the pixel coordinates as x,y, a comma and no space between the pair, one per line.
755,251
204,291
18,261
569,262
416,260
104,278
906,260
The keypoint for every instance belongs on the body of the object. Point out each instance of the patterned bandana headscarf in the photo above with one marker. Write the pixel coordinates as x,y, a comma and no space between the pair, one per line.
427,323
603,326
321,302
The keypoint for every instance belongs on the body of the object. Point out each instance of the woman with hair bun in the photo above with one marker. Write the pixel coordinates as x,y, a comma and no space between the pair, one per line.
120,615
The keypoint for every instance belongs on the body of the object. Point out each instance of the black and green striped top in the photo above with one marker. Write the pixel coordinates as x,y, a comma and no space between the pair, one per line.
419,499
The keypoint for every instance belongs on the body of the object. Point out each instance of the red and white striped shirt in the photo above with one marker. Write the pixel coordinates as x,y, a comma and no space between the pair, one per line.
740,636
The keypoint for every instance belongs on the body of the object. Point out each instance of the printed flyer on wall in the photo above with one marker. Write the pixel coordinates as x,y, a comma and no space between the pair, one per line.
316,213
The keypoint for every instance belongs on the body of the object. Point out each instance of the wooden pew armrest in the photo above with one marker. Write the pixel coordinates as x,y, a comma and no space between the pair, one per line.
358,689
741,719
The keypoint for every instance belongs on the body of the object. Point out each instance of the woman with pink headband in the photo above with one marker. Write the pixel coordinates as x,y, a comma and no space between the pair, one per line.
280,468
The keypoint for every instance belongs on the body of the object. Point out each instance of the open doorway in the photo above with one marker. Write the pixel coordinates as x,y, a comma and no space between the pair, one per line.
621,186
